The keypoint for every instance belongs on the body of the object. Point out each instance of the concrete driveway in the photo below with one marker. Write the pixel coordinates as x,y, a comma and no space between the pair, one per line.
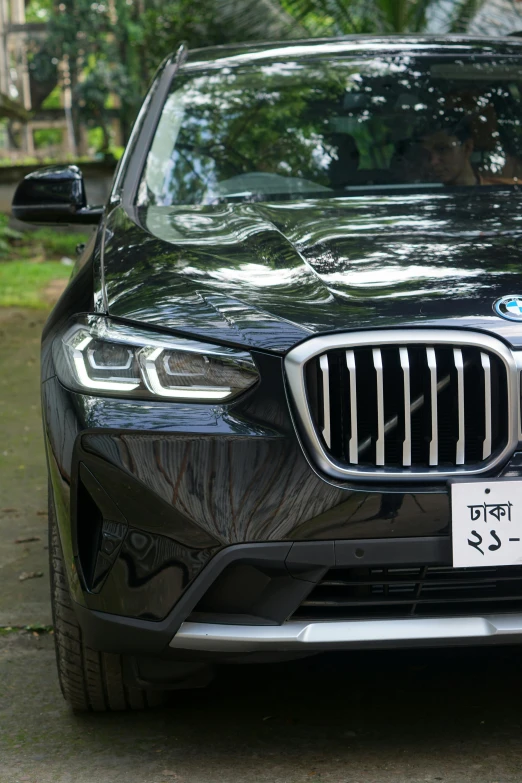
346,718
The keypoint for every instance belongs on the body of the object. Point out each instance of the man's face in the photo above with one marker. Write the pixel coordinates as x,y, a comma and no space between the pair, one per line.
448,157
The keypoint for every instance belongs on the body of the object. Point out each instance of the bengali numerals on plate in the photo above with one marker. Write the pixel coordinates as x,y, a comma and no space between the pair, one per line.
487,532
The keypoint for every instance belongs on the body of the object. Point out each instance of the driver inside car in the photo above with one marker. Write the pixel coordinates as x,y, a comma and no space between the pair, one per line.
449,149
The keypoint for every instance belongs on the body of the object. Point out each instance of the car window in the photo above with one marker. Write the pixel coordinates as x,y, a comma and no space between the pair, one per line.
334,128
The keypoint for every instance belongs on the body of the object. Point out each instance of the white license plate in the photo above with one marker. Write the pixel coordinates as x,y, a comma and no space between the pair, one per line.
486,519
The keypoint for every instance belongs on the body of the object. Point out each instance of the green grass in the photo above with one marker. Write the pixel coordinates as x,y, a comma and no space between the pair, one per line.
49,244
56,244
44,243
22,283
30,260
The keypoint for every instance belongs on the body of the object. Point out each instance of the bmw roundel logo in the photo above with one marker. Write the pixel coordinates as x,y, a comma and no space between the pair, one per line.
509,307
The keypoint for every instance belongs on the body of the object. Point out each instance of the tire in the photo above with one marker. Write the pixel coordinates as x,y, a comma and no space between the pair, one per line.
90,680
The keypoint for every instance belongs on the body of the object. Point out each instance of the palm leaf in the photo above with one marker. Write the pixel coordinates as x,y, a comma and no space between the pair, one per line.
281,19
417,15
260,20
465,12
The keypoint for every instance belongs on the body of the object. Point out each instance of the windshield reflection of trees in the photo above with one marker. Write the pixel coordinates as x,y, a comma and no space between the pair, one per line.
285,128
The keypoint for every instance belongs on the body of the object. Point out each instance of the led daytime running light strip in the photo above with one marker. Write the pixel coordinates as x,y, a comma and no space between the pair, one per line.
85,380
202,393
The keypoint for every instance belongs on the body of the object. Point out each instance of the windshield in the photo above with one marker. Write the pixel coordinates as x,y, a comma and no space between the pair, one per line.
335,128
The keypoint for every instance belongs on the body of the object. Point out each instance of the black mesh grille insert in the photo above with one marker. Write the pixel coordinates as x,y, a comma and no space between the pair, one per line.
413,591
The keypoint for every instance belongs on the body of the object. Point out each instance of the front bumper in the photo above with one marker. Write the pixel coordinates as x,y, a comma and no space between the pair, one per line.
171,498
214,620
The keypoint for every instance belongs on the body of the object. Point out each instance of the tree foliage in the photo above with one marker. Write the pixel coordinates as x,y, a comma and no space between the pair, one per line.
342,17
114,46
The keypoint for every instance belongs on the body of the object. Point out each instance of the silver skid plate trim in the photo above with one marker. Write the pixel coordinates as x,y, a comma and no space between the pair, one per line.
323,635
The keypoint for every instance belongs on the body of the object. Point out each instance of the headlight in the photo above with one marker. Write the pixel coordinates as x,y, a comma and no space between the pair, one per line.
98,355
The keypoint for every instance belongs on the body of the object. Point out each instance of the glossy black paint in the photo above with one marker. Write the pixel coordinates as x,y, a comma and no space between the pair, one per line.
370,45
269,275
55,194
188,480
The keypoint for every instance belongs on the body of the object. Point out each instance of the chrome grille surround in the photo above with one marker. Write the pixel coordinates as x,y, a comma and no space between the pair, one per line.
317,440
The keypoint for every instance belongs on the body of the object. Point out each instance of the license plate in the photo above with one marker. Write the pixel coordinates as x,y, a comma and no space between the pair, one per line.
486,519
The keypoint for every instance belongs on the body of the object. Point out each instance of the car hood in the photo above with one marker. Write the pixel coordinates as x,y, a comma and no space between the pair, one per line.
269,275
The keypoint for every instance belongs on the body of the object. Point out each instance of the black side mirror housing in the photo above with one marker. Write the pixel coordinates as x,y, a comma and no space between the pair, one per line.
55,194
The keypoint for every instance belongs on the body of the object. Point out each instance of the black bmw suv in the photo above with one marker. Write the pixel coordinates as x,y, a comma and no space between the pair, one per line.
281,393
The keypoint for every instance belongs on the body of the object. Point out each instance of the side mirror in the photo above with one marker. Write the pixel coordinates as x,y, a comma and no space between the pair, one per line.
55,194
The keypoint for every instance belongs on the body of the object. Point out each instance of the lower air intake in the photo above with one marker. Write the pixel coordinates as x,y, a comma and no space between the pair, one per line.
370,593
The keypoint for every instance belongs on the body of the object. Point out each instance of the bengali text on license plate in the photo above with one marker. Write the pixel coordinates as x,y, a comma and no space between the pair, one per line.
486,523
